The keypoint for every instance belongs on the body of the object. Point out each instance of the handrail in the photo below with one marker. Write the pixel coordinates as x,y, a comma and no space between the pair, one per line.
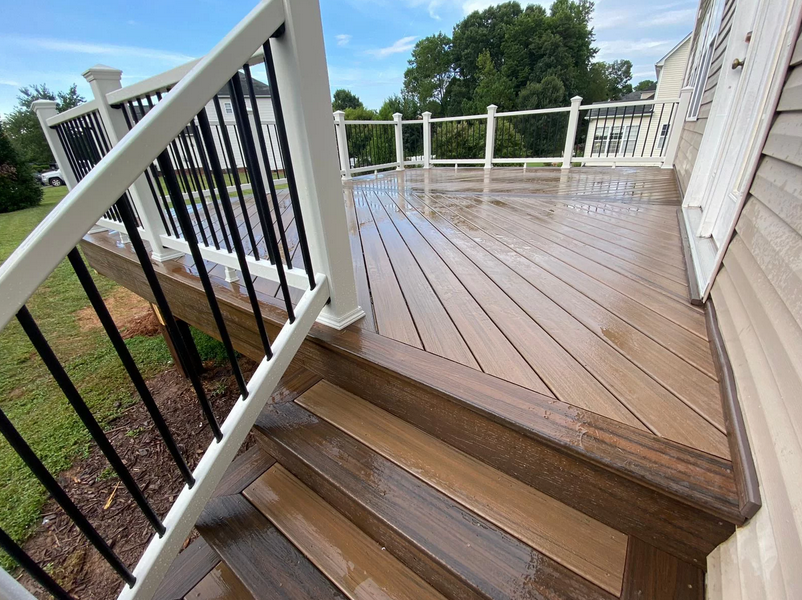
163,81
535,111
461,118
73,113
629,103
41,252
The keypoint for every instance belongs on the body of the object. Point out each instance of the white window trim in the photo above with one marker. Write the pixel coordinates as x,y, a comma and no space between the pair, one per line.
702,57
228,108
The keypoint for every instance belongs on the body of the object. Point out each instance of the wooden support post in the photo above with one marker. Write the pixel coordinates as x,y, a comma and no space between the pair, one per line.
675,129
490,138
342,144
570,134
427,140
399,141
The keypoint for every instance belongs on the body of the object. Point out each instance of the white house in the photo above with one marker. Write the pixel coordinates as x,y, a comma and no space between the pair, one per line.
640,130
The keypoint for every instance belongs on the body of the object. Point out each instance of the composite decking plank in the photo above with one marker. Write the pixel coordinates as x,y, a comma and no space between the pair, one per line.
578,542
674,337
438,333
344,553
358,259
696,389
660,410
565,376
655,574
494,352
259,555
640,223
393,318
591,259
219,584
601,240
458,552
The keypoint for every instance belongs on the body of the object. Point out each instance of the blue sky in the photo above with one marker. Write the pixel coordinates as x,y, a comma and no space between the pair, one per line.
368,42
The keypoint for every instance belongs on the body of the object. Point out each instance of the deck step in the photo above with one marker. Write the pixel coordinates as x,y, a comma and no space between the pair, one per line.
356,564
266,563
221,584
578,542
458,552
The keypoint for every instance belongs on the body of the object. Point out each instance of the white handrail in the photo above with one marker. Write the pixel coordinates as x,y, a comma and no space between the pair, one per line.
629,103
41,252
69,115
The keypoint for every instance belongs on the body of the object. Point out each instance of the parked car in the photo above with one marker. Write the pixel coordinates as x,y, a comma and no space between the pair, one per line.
53,178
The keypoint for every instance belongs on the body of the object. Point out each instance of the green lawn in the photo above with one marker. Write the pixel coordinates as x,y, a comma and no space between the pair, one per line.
28,394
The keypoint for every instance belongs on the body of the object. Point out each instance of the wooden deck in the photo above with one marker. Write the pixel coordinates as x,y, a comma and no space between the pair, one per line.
569,284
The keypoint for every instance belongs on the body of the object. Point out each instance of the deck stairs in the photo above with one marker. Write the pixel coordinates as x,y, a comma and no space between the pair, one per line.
339,498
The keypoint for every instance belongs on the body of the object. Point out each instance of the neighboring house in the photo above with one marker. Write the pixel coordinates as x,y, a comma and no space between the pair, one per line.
642,130
264,105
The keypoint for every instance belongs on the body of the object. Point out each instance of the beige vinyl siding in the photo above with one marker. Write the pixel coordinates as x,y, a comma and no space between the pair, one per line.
758,296
691,136
673,73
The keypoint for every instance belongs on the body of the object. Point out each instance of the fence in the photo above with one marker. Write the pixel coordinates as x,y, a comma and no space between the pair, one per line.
643,132
150,162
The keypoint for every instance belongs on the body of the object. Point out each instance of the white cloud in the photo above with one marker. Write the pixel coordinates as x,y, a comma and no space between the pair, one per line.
357,78
613,49
98,49
10,82
343,39
671,17
405,44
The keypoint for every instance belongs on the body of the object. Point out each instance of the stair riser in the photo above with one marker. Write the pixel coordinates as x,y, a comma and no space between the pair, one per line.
431,571
677,528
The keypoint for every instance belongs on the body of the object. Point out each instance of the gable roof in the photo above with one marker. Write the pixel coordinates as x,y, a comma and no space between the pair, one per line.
261,89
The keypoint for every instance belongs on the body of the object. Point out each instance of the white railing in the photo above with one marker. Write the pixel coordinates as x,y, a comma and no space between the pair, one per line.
640,132
125,168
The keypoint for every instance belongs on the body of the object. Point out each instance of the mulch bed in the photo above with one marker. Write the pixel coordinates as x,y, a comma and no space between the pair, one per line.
58,544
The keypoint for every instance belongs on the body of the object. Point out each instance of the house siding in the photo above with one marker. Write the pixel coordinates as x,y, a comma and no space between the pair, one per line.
692,131
758,297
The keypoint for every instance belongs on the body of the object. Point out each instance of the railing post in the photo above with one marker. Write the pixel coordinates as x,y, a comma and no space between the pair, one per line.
45,109
427,140
102,80
303,79
399,141
675,129
570,134
342,144
490,138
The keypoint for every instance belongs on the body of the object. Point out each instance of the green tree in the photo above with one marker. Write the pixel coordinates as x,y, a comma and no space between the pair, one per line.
644,85
548,93
22,125
430,70
344,99
493,87
18,188
608,81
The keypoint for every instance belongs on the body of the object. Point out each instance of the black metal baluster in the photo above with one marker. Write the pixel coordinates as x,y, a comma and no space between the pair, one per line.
214,161
273,149
193,173
235,175
207,174
648,127
200,266
245,170
289,173
147,175
659,125
167,313
128,361
605,133
241,115
34,570
24,451
87,418
263,148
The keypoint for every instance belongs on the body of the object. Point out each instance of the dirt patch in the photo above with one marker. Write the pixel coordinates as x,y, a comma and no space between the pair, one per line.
57,543
132,314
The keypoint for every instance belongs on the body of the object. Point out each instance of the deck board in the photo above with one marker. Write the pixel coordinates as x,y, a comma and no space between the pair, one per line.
570,284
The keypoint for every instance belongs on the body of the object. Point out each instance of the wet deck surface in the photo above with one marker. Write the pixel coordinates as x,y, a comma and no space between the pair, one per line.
570,284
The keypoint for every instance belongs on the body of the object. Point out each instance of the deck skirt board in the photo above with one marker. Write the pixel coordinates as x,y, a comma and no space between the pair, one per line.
582,544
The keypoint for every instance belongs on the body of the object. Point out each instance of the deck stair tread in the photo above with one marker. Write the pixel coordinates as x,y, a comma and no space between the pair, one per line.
267,564
355,563
221,583
458,552
575,540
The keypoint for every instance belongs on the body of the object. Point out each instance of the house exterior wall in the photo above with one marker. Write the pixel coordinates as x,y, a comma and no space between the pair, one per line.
693,130
647,143
758,297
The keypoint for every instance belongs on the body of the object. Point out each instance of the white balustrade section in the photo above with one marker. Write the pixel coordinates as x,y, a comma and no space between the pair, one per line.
656,144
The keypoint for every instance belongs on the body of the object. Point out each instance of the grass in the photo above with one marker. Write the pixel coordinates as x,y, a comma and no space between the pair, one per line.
31,399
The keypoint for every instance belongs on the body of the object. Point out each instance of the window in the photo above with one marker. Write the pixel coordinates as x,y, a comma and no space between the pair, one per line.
615,140
661,140
229,110
703,54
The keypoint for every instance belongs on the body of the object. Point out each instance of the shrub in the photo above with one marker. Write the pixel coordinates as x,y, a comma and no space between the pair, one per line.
18,188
